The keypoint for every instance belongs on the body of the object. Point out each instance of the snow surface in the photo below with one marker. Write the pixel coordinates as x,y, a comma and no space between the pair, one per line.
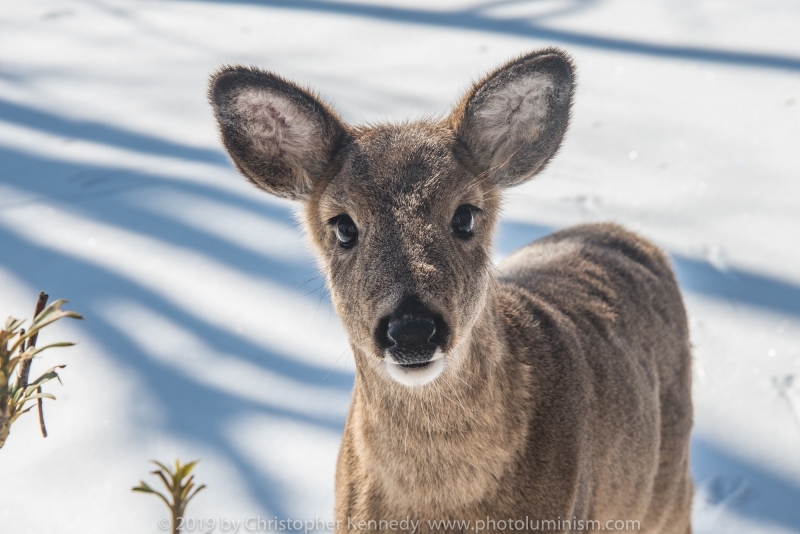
208,333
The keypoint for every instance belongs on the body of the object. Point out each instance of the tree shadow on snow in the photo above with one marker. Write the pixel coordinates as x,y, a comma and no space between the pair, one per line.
192,410
103,133
727,483
736,286
528,26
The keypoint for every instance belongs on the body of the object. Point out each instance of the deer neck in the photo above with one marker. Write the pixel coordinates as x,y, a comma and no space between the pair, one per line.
461,432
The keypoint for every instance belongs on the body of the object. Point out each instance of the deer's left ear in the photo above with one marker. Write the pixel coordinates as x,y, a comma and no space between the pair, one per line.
514,119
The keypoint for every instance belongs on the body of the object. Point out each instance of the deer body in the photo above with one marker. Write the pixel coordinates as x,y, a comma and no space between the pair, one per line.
566,423
556,389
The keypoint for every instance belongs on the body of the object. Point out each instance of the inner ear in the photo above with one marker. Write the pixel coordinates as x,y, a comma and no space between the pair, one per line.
281,137
513,121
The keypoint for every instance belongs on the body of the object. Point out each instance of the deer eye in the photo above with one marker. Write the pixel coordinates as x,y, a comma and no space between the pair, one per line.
346,231
463,221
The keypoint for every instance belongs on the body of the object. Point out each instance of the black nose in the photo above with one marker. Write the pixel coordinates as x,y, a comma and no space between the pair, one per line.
411,332
411,340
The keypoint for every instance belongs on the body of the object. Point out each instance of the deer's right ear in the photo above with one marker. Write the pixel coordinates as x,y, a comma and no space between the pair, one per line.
280,136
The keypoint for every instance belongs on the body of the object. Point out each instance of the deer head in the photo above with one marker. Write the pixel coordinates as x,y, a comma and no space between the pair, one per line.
401,215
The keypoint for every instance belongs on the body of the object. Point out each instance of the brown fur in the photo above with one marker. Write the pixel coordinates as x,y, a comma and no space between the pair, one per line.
565,392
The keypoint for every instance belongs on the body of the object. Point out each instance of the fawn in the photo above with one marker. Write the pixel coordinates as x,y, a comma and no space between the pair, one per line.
555,389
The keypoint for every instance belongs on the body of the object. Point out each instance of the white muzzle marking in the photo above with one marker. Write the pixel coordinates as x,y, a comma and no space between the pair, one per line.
412,377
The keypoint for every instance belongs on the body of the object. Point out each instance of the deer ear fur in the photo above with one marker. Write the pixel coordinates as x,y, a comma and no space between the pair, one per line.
512,122
280,136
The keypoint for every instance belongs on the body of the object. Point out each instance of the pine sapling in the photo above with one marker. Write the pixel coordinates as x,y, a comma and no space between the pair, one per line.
179,484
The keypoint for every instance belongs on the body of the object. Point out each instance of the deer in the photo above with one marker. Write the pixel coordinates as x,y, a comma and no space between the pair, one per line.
552,390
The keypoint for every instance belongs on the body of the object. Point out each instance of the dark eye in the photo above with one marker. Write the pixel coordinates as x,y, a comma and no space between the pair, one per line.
463,221
346,231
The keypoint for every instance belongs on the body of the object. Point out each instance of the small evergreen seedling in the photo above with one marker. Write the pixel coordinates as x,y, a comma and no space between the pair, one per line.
179,484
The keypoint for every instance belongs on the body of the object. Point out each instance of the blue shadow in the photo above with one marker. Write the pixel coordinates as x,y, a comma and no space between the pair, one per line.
65,181
746,489
737,286
106,134
192,411
473,19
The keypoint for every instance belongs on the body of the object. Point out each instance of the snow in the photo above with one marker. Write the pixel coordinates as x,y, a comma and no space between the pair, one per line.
208,332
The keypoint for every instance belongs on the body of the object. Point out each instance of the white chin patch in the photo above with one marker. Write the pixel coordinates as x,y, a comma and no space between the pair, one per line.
419,376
